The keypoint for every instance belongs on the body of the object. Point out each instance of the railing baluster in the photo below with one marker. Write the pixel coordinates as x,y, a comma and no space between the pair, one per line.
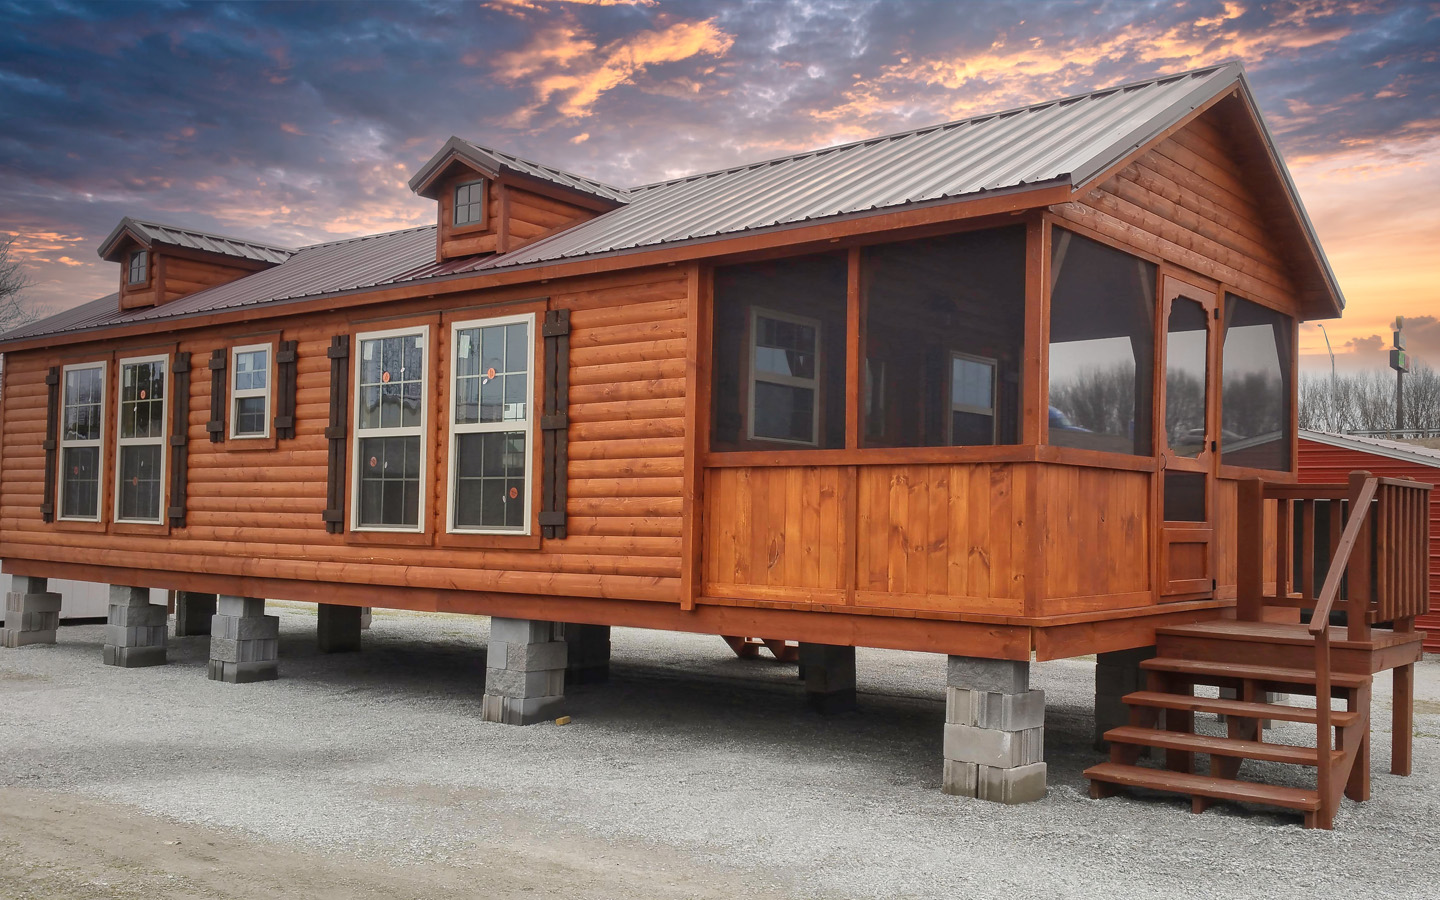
1284,538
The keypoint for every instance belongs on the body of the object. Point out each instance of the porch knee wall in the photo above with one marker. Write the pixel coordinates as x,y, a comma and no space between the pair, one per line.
994,731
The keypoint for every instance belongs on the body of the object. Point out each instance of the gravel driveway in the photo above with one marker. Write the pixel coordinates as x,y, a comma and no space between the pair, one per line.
691,774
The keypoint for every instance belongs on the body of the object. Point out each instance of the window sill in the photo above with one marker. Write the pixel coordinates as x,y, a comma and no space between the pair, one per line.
464,540
80,525
244,444
151,528
376,538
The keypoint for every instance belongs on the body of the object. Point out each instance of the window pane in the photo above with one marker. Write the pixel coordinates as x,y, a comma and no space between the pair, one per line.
1256,393
1186,341
249,415
390,481
784,413
801,339
251,369
142,400
81,419
945,324
80,486
490,490
1184,497
1102,347
139,486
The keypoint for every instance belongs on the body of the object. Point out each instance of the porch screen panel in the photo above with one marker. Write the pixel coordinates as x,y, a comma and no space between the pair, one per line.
1256,390
779,355
944,335
1102,347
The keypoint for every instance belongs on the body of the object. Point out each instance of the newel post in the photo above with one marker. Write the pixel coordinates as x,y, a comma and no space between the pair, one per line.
1250,550
1357,576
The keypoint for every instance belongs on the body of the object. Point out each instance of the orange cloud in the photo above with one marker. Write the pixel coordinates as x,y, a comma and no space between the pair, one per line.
563,64
291,129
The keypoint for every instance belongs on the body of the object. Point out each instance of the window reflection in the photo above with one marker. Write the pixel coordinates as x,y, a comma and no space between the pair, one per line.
1255,394
1102,347
1186,344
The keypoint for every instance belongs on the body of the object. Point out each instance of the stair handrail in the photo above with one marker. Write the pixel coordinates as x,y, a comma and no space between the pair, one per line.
1363,486
1359,510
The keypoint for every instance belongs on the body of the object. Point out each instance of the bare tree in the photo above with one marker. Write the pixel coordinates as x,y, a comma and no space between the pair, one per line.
13,282
1365,401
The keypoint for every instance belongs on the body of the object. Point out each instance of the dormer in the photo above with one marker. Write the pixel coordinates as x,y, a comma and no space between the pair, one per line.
492,202
161,263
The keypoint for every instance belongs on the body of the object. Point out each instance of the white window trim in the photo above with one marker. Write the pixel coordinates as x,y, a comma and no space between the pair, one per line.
527,425
994,365
421,430
266,392
162,440
98,442
455,205
812,384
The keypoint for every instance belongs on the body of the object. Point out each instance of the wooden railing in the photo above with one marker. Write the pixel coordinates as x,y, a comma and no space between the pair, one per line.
1377,552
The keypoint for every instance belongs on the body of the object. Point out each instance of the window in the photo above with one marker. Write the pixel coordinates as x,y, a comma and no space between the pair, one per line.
491,427
82,430
1187,347
250,392
470,203
138,260
1102,347
972,400
944,329
784,377
779,350
1256,390
389,429
141,469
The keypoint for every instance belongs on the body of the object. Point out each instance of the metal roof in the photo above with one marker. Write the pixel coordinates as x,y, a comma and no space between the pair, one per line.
151,233
495,163
1060,143
1398,450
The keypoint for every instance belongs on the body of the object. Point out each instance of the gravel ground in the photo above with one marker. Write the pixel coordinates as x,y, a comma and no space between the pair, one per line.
691,771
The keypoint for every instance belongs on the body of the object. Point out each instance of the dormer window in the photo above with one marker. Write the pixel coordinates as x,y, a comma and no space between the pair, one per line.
138,259
470,203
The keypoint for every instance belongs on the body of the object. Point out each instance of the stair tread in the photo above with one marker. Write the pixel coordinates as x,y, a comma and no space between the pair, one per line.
1249,671
1285,633
1205,786
1241,708
1215,745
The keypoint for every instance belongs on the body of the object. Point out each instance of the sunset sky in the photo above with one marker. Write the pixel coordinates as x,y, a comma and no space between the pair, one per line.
298,122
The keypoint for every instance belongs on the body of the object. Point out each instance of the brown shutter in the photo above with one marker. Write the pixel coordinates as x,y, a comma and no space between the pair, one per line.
285,377
337,433
555,450
52,427
216,425
179,441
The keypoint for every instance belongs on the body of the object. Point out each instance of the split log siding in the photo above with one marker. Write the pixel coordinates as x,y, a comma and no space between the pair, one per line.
258,511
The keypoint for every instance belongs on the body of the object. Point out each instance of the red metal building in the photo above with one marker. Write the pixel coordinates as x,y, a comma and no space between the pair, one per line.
1330,458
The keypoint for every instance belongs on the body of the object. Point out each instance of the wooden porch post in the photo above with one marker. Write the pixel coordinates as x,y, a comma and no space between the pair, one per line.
1250,550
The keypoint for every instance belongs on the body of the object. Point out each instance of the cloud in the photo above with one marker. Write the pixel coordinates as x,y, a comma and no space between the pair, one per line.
564,65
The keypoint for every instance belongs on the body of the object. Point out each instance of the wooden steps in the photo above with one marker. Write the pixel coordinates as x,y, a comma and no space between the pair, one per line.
1275,675
1205,786
1239,708
1256,659
1215,746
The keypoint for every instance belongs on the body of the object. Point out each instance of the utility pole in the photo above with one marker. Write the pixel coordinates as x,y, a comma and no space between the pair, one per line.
1400,362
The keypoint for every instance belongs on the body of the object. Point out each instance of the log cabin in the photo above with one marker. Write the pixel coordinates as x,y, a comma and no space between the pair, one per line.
1012,388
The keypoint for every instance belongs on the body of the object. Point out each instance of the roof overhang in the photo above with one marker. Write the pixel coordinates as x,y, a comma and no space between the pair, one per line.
1419,456
457,151
110,247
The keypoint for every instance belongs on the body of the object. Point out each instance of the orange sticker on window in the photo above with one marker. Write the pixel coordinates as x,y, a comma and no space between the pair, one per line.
372,462
385,377
490,372
135,481
514,492
142,395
